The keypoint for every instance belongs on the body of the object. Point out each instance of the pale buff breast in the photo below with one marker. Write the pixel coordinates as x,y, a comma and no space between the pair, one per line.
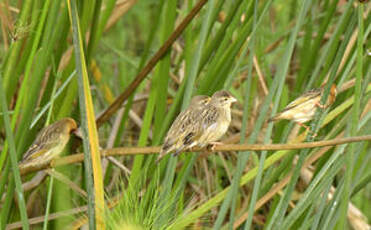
55,151
218,129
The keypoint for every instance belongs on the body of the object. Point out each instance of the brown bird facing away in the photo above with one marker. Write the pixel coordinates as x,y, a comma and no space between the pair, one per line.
216,118
49,143
302,109
185,128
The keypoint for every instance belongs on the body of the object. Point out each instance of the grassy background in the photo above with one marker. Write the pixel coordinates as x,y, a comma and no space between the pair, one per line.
266,53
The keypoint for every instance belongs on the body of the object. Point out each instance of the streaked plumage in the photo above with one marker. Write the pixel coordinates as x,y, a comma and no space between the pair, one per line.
216,118
49,143
302,109
185,129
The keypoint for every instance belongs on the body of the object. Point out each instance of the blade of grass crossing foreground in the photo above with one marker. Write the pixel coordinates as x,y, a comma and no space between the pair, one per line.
51,180
190,81
353,122
251,45
243,156
89,130
284,201
13,160
148,114
266,140
48,105
161,77
340,51
259,176
287,58
193,66
160,86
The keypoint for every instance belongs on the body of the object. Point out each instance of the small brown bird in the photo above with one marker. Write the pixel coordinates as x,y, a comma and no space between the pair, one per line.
185,128
49,143
216,118
302,109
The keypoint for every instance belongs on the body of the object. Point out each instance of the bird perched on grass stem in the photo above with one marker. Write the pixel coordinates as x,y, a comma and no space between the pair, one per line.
49,143
302,109
185,128
216,118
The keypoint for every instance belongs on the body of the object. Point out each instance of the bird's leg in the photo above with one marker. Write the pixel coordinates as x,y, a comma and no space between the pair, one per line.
211,145
318,104
307,128
304,126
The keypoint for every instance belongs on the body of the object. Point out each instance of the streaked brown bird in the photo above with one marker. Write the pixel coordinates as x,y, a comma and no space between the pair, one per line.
185,128
49,143
302,109
216,118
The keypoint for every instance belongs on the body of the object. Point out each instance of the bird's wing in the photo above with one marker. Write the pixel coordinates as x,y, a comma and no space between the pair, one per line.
210,118
43,142
193,128
37,150
303,98
176,132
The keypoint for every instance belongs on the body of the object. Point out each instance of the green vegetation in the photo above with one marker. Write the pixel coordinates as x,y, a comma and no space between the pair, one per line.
76,58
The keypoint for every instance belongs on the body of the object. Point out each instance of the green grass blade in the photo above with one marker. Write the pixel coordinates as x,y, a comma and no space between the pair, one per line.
279,213
9,81
13,160
93,169
353,123
50,189
94,30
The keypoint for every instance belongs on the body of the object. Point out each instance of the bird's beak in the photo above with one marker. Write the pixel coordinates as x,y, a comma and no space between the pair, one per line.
78,133
232,99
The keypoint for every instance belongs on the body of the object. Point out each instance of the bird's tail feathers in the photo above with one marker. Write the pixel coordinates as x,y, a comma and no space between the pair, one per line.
166,148
162,153
178,151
